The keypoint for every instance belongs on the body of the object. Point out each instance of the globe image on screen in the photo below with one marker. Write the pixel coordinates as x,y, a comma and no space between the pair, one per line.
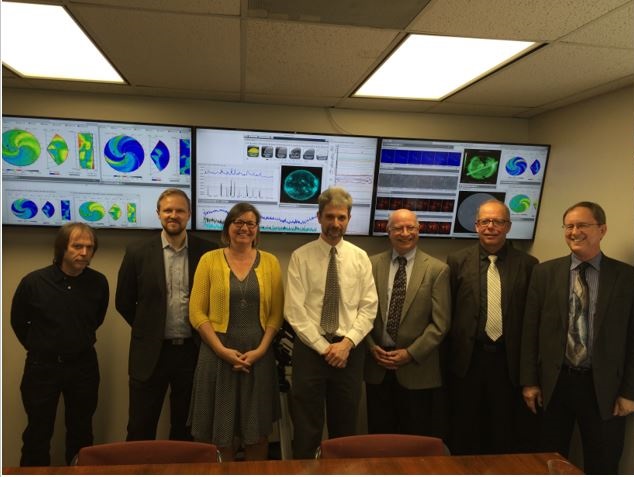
301,185
482,167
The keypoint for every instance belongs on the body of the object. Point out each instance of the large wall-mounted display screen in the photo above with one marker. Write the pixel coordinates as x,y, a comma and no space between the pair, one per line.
445,182
282,174
105,174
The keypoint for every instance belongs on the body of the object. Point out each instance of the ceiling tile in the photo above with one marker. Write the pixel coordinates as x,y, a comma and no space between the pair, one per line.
383,104
537,20
552,73
616,29
215,7
476,109
167,50
292,59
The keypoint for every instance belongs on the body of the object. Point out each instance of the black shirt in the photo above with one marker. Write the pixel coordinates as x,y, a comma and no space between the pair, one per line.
484,267
58,313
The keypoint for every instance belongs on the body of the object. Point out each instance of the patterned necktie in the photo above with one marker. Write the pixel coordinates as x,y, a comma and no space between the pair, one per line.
577,342
330,309
493,325
398,298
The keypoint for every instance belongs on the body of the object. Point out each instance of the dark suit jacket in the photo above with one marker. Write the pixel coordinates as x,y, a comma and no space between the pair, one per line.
546,327
465,292
424,320
142,300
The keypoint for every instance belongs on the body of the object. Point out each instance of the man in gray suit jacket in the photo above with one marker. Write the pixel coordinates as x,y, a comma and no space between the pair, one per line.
403,367
578,344
487,411
153,297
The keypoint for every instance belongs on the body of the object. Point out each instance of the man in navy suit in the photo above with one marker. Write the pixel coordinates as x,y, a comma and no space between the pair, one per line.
153,297
578,344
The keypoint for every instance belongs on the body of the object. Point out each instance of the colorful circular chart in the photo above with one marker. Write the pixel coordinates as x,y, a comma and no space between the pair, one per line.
24,208
520,203
516,166
20,148
92,211
115,211
124,153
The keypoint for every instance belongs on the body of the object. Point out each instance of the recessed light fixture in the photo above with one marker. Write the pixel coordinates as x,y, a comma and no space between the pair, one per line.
43,41
432,67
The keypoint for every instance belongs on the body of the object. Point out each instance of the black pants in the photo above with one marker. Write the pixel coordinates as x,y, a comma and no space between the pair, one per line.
488,415
315,382
393,409
175,369
574,400
45,378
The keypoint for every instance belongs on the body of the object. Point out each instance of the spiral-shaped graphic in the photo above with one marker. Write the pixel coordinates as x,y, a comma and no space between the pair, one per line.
520,203
160,155
92,211
58,149
48,209
301,185
124,153
516,166
536,167
482,167
24,208
20,148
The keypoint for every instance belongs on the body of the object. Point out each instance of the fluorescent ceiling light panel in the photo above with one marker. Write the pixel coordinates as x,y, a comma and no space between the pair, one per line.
432,67
43,41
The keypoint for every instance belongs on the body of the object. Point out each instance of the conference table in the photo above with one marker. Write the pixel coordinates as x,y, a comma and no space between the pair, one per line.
474,464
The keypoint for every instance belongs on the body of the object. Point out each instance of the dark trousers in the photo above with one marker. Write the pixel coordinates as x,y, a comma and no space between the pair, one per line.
175,369
45,378
315,382
574,400
488,415
393,409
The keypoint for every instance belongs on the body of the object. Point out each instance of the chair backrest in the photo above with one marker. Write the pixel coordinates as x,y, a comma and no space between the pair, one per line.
381,445
148,452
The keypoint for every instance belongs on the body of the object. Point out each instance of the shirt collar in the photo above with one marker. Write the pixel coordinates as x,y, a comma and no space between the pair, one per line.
325,246
409,255
501,254
595,261
165,243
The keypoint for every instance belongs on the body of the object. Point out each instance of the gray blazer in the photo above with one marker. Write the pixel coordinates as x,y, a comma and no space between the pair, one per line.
545,330
424,321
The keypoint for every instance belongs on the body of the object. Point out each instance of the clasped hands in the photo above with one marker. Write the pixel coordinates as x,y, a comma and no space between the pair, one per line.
336,355
390,359
240,362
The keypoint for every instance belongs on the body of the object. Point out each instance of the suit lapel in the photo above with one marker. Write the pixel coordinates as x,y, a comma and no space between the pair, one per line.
562,276
508,284
159,259
419,270
382,276
473,266
607,283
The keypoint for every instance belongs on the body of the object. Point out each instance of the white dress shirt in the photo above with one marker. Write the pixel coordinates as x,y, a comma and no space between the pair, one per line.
305,287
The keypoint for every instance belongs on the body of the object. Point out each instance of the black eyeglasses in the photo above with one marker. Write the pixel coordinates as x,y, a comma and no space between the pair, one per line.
496,222
241,223
582,226
404,228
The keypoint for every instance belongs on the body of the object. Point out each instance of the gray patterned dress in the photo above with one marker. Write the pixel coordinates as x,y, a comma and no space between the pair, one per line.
225,403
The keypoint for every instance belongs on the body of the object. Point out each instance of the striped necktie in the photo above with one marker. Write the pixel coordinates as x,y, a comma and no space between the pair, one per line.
493,325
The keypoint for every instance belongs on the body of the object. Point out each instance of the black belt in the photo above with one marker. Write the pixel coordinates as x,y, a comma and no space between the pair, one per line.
490,347
334,339
177,341
52,357
388,348
576,371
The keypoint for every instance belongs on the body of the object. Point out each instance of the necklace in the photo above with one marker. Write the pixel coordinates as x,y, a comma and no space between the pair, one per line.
243,286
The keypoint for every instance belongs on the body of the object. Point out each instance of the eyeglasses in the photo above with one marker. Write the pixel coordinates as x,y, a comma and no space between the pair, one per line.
582,226
241,223
496,222
404,228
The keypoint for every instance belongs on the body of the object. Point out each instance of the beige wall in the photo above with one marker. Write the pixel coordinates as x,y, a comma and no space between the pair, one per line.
580,135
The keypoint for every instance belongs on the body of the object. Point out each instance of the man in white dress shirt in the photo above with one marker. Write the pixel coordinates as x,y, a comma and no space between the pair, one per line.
329,352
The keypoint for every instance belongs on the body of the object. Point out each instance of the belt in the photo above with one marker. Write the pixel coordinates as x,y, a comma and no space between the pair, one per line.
176,341
334,339
576,371
490,347
388,348
51,357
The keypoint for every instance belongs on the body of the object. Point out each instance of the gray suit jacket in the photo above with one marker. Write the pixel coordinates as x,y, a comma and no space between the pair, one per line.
141,298
465,291
424,321
546,323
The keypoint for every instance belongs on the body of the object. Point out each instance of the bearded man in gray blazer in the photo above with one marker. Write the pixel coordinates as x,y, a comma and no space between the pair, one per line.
578,344
402,369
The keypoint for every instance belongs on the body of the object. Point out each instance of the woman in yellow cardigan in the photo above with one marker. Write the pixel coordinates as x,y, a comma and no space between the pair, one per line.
236,305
